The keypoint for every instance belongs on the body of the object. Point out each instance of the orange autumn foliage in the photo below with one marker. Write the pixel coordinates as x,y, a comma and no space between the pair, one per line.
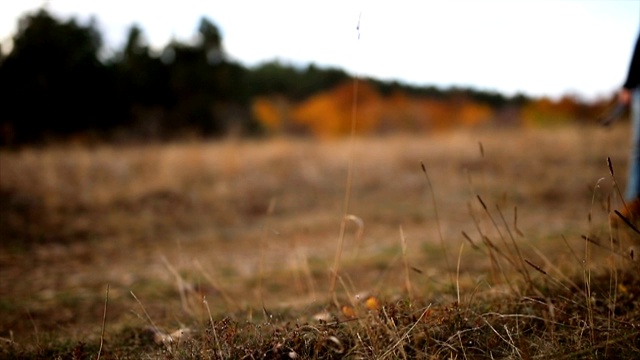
437,114
266,112
272,112
471,114
402,112
330,113
545,111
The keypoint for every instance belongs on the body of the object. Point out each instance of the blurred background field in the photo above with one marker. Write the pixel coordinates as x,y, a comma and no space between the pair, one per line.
253,222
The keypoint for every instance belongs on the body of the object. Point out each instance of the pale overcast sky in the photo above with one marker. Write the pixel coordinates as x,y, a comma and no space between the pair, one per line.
541,48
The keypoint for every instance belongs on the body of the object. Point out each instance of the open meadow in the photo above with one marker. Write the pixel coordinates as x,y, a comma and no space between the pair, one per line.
501,248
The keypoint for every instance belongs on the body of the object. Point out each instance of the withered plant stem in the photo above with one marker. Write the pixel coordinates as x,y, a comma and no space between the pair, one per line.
473,246
458,273
347,195
495,225
406,334
435,210
104,322
615,184
546,274
181,286
155,328
407,279
515,221
492,258
218,288
522,268
213,327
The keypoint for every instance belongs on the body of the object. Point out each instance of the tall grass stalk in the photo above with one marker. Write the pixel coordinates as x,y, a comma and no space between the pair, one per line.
153,325
445,254
230,303
104,322
213,329
458,273
407,279
348,185
522,268
182,286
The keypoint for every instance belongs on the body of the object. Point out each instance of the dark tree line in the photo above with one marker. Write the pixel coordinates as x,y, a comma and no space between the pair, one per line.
52,80
54,84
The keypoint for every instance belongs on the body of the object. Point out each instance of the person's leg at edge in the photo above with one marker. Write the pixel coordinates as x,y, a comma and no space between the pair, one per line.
631,210
633,184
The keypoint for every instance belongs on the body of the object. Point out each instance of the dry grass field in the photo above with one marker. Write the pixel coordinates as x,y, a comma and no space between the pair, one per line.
447,261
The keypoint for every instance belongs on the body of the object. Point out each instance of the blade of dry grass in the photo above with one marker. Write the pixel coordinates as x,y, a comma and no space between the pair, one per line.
347,193
492,250
405,334
213,331
521,269
615,182
458,273
508,342
217,287
557,271
104,322
540,270
181,285
407,279
515,222
438,226
153,325
510,256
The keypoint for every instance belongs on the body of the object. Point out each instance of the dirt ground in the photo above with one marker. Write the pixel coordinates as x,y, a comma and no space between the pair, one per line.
254,224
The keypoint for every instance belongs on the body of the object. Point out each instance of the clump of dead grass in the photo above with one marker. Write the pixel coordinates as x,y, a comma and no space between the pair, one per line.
553,323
